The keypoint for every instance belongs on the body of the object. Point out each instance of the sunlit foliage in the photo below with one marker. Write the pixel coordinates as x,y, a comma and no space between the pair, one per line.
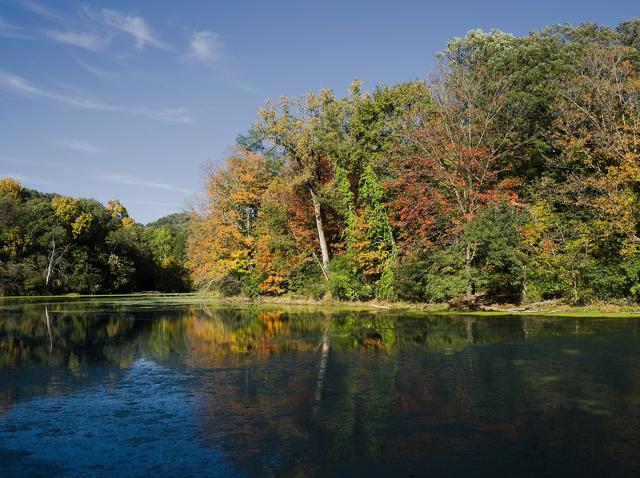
511,174
57,244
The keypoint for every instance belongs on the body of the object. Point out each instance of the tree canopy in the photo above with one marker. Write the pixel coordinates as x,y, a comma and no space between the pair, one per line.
57,244
511,173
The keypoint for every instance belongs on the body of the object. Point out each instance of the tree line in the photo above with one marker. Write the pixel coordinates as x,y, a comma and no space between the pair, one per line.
512,173
52,244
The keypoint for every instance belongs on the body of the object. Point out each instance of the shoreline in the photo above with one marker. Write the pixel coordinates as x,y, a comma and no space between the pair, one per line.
546,309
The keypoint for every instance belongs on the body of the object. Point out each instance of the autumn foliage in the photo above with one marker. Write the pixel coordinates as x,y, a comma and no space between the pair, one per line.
511,174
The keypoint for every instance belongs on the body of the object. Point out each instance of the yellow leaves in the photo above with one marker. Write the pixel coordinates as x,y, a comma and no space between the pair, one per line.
216,249
118,211
65,207
82,223
116,208
311,100
537,234
69,211
630,247
128,222
541,216
371,259
355,87
10,187
12,240
238,254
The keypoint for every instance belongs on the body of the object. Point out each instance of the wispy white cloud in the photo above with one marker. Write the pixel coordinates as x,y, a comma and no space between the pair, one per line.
205,46
132,181
8,30
239,84
167,115
155,203
133,25
19,84
24,179
95,71
88,41
81,146
19,161
40,10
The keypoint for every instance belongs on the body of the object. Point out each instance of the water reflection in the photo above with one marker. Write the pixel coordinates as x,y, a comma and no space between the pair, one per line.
266,391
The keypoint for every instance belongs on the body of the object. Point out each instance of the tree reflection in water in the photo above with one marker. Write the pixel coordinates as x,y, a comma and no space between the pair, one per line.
305,392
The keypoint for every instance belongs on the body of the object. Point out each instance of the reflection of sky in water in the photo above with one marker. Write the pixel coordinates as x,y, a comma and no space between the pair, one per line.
126,389
127,430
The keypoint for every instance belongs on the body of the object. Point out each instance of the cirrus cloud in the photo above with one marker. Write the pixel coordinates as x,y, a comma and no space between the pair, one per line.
81,146
88,41
128,180
17,83
205,46
8,30
133,25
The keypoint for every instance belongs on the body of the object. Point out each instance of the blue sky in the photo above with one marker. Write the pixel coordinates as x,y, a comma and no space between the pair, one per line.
127,99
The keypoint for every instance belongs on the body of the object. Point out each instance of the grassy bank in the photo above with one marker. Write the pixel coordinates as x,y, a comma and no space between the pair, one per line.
548,308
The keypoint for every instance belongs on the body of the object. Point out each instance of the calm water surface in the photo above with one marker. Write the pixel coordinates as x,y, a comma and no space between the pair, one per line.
163,387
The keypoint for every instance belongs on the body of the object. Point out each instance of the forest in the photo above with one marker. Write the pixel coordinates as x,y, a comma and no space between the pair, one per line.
52,244
511,174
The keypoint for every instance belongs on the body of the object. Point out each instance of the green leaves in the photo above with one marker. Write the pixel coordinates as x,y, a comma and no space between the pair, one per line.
79,245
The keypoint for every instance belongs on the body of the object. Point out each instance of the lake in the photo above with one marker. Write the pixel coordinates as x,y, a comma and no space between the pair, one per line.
173,386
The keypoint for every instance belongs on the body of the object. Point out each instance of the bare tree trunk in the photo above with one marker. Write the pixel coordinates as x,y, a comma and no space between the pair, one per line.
467,268
54,258
321,239
51,262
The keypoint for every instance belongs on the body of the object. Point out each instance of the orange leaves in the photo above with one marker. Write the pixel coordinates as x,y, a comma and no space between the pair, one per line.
272,285
240,181
283,236
222,240
456,162
215,249
274,321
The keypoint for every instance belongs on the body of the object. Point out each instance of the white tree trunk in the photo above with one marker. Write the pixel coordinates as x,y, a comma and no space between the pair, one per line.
50,263
321,239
